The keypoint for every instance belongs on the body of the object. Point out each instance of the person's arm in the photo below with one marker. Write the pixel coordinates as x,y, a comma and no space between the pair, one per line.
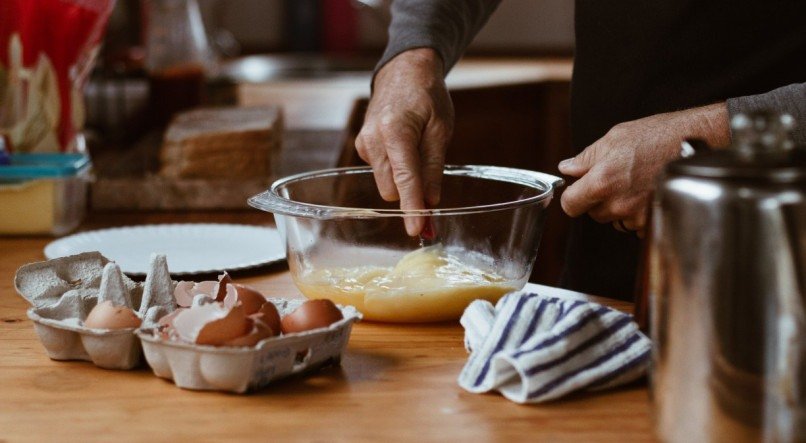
617,173
409,119
447,26
789,99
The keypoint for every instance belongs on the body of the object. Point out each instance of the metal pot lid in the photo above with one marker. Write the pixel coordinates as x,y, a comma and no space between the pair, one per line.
762,150
727,164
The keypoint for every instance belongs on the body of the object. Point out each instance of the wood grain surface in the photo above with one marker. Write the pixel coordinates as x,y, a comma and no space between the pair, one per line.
396,383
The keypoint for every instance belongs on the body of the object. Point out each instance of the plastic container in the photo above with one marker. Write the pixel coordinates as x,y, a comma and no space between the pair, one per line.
345,243
43,193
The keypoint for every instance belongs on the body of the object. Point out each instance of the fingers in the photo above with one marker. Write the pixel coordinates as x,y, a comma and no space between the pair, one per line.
633,225
435,139
404,160
585,194
581,164
373,152
405,131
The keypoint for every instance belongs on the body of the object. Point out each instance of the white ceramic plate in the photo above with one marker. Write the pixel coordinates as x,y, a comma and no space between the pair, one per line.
190,248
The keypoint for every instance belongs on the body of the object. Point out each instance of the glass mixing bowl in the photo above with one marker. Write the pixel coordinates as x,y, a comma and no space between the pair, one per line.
346,244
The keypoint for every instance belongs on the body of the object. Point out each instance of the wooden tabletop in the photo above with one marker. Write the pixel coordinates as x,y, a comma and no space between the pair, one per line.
396,383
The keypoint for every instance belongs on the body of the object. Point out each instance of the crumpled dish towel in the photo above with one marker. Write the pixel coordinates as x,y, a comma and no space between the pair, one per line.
533,348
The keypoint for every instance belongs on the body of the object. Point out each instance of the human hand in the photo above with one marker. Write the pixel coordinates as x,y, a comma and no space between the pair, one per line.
406,131
617,173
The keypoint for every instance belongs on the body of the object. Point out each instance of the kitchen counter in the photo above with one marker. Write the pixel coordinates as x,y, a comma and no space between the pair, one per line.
396,382
326,103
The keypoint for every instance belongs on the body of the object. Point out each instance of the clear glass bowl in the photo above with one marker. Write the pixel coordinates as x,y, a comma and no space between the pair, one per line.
347,244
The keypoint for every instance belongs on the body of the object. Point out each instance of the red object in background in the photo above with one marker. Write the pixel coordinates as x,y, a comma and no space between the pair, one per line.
339,26
67,32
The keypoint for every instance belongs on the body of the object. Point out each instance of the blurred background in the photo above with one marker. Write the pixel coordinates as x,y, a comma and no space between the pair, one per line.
313,60
518,27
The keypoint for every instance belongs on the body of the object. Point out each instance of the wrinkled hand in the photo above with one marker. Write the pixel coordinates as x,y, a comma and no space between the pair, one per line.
617,173
406,130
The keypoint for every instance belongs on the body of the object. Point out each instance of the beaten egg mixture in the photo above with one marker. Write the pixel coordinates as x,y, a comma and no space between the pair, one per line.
428,284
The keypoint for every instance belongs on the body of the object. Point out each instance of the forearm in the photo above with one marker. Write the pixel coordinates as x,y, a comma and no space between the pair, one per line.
709,123
789,99
447,26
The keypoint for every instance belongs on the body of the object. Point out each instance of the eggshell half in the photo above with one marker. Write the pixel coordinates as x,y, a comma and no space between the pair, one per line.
106,315
221,288
217,332
211,324
269,315
251,299
258,333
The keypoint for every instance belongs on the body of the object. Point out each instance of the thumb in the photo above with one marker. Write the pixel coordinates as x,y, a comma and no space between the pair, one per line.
579,165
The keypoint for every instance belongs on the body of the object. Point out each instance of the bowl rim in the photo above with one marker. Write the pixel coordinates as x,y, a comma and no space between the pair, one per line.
271,200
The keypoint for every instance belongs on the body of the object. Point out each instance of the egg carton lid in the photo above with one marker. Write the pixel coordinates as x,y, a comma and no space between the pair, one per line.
43,283
69,287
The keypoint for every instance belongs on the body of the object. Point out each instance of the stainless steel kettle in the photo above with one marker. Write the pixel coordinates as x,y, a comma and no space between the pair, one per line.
727,289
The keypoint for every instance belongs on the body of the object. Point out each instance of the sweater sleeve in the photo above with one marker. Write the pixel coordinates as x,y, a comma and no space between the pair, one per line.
789,99
447,26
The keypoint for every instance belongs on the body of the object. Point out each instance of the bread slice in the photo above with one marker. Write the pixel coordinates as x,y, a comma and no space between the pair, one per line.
225,142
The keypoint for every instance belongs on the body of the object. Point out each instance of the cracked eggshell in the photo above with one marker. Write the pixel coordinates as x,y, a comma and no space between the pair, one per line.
186,291
211,324
242,368
64,291
220,290
259,331
250,298
270,316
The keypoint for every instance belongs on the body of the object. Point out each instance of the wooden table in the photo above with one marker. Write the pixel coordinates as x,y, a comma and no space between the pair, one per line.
396,383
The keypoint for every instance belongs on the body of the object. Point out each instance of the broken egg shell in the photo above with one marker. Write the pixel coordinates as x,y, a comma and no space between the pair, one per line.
167,320
186,291
250,298
312,314
217,332
221,287
205,287
270,316
182,293
189,322
259,332
165,327
106,315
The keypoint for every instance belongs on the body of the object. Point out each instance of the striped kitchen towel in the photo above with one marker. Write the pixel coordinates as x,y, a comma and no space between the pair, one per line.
533,348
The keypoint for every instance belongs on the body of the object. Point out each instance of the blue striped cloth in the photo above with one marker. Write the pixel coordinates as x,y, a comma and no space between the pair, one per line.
533,348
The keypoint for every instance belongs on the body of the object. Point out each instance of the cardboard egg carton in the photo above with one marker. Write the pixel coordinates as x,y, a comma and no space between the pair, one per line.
63,291
241,369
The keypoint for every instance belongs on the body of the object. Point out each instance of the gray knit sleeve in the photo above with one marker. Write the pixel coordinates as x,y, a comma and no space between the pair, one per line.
789,99
447,26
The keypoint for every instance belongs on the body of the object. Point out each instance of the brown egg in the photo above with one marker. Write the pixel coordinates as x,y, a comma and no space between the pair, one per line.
106,315
258,333
232,325
251,299
270,317
312,314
